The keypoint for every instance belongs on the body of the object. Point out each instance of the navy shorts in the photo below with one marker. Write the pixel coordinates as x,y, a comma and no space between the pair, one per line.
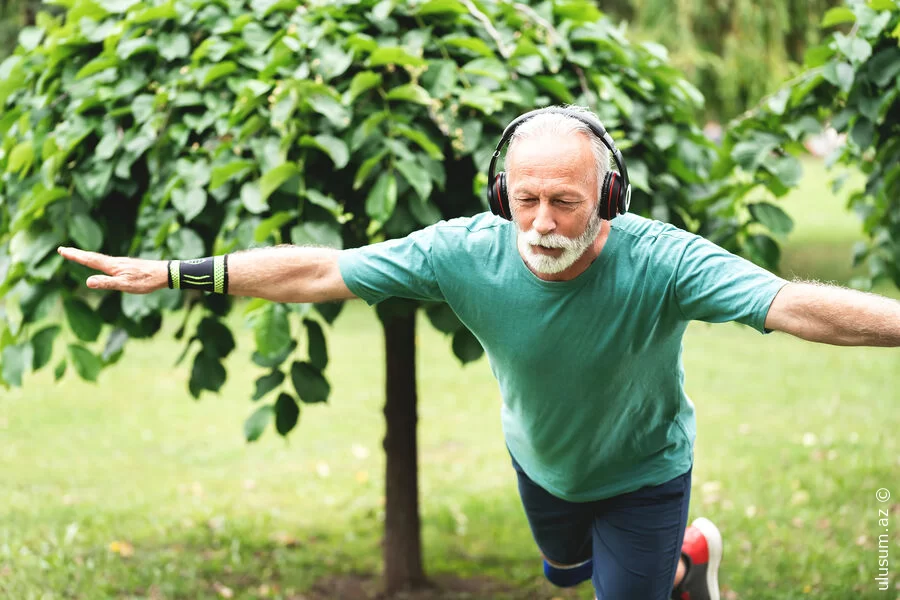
634,539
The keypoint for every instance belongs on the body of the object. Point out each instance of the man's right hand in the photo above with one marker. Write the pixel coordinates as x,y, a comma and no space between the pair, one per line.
131,275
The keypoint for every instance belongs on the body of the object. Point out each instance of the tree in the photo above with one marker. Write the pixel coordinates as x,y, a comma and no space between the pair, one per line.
850,83
188,128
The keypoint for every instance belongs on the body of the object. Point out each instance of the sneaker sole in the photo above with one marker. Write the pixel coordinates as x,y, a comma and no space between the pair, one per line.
714,543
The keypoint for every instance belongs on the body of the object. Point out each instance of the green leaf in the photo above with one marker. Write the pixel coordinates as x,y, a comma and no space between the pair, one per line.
318,349
421,139
87,364
273,224
186,243
117,7
216,337
884,67
333,60
362,81
394,55
42,342
60,370
763,250
476,45
129,48
190,202
440,78
327,202
83,321
114,345
364,169
30,37
442,6
272,179
219,70
271,329
838,15
252,199
863,133
208,373
410,92
329,310
750,154
334,147
856,49
174,47
86,233
839,73
311,385
267,383
235,169
555,88
273,361
286,413
21,157
773,217
382,198
317,233
417,177
787,169
336,113
256,423
425,212
487,67
665,136
16,360
466,347
480,98
443,318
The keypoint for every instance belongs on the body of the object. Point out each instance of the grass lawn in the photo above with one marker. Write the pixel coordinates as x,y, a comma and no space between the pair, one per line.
130,489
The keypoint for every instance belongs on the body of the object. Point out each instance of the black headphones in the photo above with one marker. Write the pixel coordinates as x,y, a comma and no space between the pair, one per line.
615,192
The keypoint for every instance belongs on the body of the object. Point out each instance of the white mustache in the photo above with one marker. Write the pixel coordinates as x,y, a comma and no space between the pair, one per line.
550,240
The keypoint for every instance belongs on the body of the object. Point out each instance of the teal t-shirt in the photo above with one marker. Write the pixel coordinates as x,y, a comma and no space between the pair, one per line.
590,370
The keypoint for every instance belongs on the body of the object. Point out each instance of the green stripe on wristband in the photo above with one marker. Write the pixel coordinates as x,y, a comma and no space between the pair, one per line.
219,274
174,275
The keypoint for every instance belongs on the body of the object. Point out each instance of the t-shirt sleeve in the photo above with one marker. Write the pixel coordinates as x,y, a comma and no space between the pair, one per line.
714,285
395,268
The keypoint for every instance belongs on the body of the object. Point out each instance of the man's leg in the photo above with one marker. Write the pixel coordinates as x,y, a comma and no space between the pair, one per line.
637,541
561,529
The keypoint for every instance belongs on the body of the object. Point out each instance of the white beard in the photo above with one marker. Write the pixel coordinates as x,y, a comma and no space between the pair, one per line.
573,248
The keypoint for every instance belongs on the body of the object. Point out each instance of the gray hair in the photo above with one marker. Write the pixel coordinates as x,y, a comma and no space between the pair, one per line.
554,124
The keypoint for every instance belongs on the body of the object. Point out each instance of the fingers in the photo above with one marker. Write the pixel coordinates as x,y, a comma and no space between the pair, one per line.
94,260
102,282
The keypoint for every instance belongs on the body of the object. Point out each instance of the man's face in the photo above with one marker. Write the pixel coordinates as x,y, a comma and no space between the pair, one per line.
553,195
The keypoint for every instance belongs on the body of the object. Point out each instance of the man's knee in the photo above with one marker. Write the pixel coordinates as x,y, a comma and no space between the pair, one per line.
562,575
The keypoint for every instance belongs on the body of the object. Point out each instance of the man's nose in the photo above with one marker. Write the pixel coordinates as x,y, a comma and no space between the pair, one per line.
544,222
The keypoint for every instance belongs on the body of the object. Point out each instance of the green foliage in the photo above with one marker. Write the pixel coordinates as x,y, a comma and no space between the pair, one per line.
850,83
187,128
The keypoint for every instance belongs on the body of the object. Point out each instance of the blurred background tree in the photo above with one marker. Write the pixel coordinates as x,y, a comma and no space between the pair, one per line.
734,51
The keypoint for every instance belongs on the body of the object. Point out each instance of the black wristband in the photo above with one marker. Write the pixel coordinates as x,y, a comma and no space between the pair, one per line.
208,274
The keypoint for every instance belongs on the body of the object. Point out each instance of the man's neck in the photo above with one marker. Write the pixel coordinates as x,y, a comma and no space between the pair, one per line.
584,261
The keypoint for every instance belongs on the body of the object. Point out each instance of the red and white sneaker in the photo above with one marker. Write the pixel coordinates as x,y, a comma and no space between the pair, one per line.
702,552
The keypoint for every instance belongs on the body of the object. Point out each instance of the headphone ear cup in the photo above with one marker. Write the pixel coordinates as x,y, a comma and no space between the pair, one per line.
497,197
610,196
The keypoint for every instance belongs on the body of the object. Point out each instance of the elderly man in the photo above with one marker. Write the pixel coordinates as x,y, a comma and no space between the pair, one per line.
581,310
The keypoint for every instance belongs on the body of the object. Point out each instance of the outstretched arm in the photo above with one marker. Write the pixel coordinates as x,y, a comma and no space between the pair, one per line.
280,273
834,315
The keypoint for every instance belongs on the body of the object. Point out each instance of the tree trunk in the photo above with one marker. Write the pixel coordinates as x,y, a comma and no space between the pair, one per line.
402,549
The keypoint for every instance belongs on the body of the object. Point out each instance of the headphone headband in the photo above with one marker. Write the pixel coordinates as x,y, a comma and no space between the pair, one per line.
497,189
